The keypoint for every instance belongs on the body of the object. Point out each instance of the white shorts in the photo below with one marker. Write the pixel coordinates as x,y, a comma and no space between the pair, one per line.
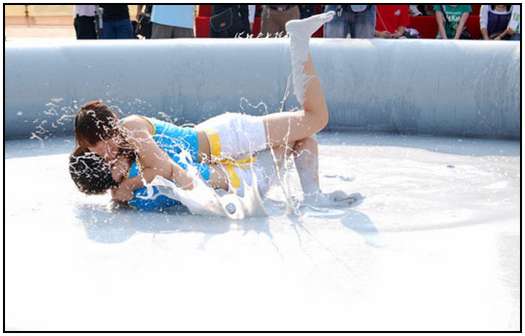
234,135
262,167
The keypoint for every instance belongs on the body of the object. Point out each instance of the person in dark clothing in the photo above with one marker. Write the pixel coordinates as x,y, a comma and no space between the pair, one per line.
495,21
307,10
144,21
230,21
116,23
84,22
354,21
275,16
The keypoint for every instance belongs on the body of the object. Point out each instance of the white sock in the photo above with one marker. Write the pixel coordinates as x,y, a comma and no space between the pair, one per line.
306,27
300,32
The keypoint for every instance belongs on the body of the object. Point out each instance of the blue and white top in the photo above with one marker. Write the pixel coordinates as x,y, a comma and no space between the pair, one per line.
182,146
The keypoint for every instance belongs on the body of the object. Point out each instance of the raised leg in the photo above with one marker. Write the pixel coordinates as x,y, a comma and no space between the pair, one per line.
288,127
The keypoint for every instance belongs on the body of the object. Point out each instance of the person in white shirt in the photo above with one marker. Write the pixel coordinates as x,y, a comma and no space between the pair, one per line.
515,23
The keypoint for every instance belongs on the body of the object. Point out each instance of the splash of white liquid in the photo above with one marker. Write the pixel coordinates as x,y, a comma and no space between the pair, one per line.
203,200
283,173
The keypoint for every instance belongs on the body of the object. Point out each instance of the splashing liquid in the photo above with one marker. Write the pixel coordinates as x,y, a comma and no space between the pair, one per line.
203,200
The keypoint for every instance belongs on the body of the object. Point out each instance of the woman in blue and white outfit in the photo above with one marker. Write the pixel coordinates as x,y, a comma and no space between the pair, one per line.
222,149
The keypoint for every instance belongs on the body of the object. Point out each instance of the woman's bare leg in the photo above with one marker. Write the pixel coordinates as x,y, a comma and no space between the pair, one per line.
284,127
306,159
288,127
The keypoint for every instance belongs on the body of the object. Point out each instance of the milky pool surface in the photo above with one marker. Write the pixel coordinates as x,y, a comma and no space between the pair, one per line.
433,246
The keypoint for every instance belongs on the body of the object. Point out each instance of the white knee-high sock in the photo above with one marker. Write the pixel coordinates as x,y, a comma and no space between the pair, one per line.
300,32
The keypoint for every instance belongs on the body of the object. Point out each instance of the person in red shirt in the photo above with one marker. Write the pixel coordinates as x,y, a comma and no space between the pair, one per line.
391,21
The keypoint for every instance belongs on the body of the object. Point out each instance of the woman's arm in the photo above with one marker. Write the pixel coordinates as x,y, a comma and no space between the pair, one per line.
154,161
441,26
461,25
483,21
514,22
124,192
506,32
404,21
399,32
485,34
383,34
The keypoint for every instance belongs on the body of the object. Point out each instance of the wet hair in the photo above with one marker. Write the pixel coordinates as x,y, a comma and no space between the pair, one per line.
90,172
94,122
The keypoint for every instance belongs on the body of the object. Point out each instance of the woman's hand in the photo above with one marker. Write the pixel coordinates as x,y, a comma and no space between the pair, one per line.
440,18
383,34
461,25
120,168
122,193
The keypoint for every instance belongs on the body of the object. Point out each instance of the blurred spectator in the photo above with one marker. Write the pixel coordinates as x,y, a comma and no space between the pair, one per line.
355,21
84,22
515,23
391,21
231,20
451,20
306,11
274,18
144,21
494,21
427,10
414,11
172,21
115,22
252,13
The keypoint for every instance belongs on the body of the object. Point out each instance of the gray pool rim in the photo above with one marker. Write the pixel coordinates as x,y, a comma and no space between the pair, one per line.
444,88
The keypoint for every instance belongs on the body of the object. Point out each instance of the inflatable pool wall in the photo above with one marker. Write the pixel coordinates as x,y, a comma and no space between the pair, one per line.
449,88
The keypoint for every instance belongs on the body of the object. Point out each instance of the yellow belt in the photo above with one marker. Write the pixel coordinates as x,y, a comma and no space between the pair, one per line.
228,164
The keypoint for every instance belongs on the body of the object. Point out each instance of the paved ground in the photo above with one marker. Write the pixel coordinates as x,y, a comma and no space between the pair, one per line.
39,22
42,22
18,32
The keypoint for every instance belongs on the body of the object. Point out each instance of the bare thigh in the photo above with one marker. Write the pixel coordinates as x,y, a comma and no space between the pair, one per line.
288,127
